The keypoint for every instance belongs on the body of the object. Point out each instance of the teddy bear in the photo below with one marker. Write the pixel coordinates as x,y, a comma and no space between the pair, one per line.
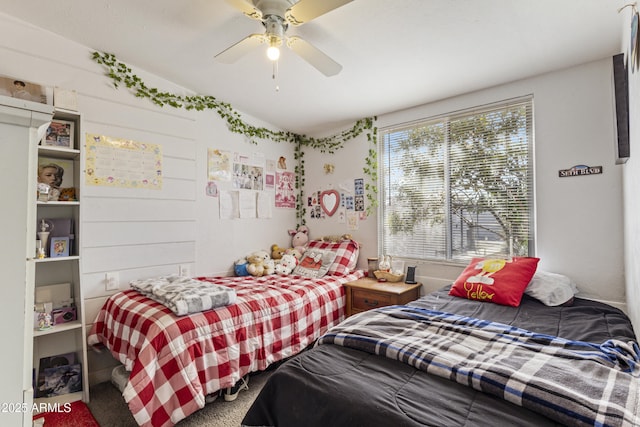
259,263
269,267
299,238
286,264
276,252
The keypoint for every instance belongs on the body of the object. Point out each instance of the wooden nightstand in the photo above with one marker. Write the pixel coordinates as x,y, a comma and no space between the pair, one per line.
367,293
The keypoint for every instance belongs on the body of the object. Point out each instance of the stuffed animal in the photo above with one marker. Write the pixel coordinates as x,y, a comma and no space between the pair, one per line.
67,194
269,267
299,238
276,252
240,267
286,264
257,263
293,251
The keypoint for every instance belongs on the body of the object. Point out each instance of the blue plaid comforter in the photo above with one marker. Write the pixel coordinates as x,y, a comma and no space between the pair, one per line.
572,382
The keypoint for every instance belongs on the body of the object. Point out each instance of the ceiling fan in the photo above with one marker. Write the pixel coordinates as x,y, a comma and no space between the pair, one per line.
276,16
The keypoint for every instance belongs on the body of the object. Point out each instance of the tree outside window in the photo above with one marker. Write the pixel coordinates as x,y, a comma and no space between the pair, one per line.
460,186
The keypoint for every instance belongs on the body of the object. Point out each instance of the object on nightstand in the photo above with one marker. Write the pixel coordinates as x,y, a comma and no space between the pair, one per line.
372,264
411,275
397,266
386,276
385,263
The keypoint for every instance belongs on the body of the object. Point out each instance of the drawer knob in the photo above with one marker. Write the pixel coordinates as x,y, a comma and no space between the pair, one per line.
373,303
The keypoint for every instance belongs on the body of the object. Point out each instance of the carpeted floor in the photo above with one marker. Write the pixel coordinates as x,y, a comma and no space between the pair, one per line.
110,410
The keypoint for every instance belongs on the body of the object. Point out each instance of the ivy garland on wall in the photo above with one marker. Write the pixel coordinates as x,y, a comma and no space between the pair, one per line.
121,74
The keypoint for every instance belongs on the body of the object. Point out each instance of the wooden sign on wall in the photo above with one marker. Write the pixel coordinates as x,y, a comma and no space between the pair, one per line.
580,170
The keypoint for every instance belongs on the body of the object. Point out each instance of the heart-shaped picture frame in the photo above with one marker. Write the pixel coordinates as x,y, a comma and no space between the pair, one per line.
329,201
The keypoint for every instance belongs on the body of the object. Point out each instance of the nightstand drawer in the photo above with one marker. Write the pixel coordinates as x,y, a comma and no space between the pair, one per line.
367,293
364,300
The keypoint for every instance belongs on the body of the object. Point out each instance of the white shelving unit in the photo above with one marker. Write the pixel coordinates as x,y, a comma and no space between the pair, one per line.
21,126
67,337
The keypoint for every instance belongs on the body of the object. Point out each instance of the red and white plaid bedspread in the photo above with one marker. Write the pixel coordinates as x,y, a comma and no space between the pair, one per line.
176,361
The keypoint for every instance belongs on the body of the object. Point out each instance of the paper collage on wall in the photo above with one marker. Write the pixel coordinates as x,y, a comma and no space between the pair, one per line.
351,208
114,162
285,190
243,184
219,165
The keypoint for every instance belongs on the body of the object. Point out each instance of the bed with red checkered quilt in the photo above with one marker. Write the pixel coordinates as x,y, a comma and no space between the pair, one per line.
175,361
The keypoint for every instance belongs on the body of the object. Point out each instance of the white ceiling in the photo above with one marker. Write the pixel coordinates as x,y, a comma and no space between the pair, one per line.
395,54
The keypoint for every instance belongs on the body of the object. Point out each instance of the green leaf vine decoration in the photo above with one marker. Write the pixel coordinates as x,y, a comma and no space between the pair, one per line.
121,74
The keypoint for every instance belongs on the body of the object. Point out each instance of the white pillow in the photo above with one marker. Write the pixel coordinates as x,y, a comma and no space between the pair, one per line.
551,289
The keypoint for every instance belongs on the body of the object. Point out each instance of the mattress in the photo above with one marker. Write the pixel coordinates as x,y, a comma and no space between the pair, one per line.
341,386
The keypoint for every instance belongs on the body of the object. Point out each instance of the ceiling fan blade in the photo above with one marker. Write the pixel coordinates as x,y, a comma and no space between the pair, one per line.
314,56
246,7
238,50
306,10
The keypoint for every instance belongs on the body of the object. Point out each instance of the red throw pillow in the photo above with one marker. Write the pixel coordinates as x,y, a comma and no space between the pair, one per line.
495,280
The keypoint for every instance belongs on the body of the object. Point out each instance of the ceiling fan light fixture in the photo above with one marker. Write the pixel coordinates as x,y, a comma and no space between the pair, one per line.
273,53
276,15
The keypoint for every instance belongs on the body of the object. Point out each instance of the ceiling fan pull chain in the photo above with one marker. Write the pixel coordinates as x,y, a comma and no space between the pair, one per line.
274,75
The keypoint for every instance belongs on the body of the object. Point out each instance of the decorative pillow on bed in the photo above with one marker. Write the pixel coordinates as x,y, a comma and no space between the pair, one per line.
346,255
551,289
314,263
495,280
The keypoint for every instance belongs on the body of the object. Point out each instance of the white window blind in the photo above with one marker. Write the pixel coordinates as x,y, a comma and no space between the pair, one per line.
459,186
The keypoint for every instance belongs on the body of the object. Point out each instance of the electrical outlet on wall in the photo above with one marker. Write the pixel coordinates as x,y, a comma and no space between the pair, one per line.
111,281
184,270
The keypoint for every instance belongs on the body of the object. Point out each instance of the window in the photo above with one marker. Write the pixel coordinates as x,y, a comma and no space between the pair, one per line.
459,186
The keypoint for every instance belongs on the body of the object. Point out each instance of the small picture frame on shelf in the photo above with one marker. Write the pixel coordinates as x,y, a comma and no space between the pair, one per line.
62,380
59,134
42,389
59,247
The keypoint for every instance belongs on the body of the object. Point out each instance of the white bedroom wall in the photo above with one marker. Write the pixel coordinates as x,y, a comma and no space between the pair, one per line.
631,184
142,233
349,163
579,220
220,242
